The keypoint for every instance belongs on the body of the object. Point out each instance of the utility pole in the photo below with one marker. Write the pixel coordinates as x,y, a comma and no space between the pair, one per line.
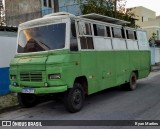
115,8
2,16
56,6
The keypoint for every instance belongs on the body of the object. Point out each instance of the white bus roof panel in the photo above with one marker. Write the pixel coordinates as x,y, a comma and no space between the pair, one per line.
99,17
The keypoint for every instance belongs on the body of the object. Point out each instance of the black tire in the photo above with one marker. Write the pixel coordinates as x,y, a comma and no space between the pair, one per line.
27,100
132,84
74,98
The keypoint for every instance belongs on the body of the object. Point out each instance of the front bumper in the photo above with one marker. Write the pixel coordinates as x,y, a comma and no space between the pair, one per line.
43,90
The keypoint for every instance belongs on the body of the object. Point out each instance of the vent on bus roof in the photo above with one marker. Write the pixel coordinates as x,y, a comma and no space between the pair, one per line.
59,14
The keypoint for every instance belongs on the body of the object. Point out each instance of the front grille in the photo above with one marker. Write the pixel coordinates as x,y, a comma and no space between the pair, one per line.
31,76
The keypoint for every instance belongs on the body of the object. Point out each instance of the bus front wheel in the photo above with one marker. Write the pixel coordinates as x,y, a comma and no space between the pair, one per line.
27,100
74,98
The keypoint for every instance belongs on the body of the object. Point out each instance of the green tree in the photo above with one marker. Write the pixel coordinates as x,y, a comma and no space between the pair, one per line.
153,37
111,8
2,14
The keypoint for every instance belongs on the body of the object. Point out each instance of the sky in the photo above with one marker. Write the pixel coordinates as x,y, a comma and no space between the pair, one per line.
150,4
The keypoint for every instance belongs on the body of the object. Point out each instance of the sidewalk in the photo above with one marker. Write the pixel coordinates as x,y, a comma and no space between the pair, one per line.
155,67
8,102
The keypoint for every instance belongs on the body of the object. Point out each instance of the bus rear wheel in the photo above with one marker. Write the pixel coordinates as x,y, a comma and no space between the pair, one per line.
132,85
74,98
27,100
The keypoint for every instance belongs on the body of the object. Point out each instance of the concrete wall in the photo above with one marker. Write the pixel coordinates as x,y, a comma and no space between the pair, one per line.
155,55
19,11
18,7
70,6
15,10
8,48
143,14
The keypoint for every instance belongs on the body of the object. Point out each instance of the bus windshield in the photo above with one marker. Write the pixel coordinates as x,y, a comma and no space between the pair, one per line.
42,38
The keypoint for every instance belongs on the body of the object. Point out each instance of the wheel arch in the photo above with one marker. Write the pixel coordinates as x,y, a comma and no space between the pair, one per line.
83,81
136,72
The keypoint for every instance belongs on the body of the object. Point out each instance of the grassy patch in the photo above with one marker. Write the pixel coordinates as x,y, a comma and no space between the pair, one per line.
8,100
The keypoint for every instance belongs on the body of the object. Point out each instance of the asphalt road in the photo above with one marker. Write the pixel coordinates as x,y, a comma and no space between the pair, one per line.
110,104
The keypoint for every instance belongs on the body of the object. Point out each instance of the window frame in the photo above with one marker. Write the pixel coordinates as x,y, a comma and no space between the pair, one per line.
50,3
86,35
45,3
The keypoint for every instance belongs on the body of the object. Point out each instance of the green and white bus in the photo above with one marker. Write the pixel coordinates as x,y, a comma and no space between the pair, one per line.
76,56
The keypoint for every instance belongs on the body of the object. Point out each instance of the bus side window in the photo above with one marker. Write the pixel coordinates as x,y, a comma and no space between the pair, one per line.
86,43
88,29
108,31
99,30
130,34
123,33
73,38
135,35
84,28
116,32
86,39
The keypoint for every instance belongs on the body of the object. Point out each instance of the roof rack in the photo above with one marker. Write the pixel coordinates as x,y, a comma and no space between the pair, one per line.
103,18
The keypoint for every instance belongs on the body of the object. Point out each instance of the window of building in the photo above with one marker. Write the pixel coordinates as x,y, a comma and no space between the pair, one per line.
50,3
45,3
117,33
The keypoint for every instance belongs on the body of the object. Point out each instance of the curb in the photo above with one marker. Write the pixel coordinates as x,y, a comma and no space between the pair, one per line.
155,69
8,109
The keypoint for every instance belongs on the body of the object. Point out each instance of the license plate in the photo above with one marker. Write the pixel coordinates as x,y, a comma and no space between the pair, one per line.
27,90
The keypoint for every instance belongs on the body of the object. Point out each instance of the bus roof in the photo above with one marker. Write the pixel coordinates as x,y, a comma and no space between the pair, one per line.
103,18
63,15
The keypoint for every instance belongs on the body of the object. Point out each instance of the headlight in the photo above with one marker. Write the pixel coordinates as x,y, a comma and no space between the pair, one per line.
45,84
13,77
54,76
14,84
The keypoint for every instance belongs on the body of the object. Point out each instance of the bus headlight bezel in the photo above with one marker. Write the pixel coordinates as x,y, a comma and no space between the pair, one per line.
54,76
13,77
